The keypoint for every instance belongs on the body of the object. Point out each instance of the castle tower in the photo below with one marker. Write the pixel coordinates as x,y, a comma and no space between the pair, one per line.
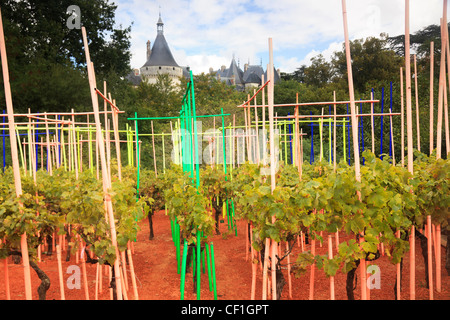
160,59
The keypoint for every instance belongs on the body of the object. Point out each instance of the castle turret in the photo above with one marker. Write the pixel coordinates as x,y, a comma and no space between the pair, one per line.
160,59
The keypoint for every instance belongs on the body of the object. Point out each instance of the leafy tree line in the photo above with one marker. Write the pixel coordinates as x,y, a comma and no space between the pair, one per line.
376,63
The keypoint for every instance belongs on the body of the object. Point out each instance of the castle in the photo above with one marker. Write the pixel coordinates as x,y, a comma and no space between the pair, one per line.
161,61
250,77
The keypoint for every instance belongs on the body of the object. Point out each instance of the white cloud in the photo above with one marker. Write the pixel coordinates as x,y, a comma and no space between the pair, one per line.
206,33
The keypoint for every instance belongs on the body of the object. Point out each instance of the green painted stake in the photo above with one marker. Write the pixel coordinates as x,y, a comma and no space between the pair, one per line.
213,272
208,260
183,270
198,264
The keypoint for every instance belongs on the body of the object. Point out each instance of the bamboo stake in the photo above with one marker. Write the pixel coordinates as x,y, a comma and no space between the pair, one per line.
447,133
5,267
15,159
254,266
272,159
133,275
289,270
330,256
431,96
154,153
438,257
106,182
402,124
266,262
61,278
441,94
430,257
124,268
409,138
83,268
354,130
257,134
398,269
417,103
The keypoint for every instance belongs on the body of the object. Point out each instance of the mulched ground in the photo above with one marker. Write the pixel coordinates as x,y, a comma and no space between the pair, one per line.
157,278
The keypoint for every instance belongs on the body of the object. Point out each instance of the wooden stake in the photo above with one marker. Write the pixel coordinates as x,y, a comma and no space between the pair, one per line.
5,267
330,256
289,270
430,257
133,275
254,266
106,182
417,103
441,94
272,159
354,130
431,96
15,158
154,152
60,273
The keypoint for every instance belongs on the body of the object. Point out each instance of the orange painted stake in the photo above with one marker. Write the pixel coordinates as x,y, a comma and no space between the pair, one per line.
398,272
313,267
330,256
412,264
97,276
83,268
246,242
430,258
254,266
438,258
8,292
289,271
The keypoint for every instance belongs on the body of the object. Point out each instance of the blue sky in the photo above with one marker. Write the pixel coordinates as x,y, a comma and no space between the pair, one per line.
207,33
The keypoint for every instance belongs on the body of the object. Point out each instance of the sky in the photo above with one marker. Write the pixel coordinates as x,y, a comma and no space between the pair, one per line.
204,34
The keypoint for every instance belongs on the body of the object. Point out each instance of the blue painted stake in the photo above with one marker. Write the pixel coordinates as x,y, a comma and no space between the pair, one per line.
290,142
37,143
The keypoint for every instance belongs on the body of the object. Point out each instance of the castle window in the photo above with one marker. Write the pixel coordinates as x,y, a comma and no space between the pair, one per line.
173,68
159,68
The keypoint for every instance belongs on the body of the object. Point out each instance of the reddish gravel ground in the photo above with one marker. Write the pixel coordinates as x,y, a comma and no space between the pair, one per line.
157,277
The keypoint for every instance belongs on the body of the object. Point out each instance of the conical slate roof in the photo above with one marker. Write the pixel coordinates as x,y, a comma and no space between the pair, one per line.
160,55
235,72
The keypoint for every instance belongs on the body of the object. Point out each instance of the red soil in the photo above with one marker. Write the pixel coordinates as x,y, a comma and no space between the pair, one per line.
157,278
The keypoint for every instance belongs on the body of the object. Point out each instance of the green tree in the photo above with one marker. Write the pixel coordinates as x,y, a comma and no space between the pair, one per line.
46,59
372,62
